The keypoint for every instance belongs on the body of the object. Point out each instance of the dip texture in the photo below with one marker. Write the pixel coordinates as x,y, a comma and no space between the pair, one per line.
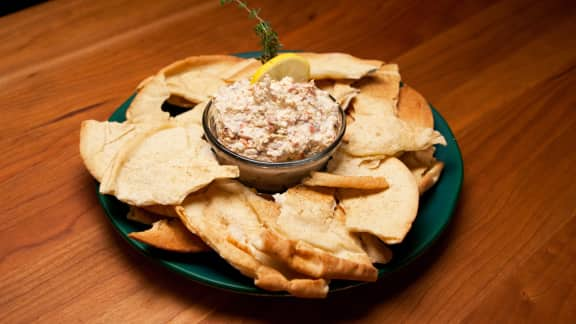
275,121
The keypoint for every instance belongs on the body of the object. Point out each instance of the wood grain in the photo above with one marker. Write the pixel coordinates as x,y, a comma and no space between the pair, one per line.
501,72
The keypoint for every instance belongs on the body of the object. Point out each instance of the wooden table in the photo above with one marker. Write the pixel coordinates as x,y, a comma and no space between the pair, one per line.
501,72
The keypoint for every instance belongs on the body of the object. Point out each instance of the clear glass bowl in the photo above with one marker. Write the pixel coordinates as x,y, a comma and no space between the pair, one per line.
269,176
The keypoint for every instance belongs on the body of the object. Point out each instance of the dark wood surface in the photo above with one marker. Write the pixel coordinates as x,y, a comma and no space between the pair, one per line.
501,72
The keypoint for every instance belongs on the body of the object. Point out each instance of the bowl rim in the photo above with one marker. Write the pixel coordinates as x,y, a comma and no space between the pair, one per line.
212,139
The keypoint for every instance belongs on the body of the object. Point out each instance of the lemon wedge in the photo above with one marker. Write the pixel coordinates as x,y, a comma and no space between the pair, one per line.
283,65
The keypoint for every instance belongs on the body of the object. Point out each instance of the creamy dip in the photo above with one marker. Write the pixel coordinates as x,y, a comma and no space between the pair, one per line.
275,121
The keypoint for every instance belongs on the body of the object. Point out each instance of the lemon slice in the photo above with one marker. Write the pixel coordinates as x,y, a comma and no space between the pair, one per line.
283,65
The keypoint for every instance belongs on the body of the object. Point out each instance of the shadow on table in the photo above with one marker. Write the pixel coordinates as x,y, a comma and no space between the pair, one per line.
344,306
11,6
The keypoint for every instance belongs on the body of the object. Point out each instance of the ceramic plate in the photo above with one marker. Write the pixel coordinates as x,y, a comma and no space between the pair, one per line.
435,212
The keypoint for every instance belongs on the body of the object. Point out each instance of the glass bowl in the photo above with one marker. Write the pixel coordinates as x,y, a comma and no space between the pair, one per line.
270,177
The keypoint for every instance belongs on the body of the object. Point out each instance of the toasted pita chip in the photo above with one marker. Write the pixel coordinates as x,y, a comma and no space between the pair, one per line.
342,163
425,168
339,90
192,116
371,163
101,141
147,104
222,217
371,106
387,214
193,88
318,244
220,66
414,109
308,214
384,83
430,177
376,249
344,93
387,136
196,78
170,235
324,179
146,81
339,66
142,216
164,168
183,83
378,92
426,177
243,71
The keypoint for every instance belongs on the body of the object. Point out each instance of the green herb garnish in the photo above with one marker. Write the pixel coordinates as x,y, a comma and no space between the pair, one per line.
268,37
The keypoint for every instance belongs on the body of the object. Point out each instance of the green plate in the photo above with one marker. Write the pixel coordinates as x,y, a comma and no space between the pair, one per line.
435,212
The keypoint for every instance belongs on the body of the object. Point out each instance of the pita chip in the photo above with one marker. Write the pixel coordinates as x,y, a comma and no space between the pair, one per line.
224,219
318,245
101,141
376,249
414,109
243,71
387,214
379,92
192,116
170,235
387,136
339,66
164,168
325,179
220,66
344,93
147,104
424,166
341,90
196,78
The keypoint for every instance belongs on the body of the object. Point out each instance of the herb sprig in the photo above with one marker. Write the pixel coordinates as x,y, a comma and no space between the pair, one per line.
268,37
